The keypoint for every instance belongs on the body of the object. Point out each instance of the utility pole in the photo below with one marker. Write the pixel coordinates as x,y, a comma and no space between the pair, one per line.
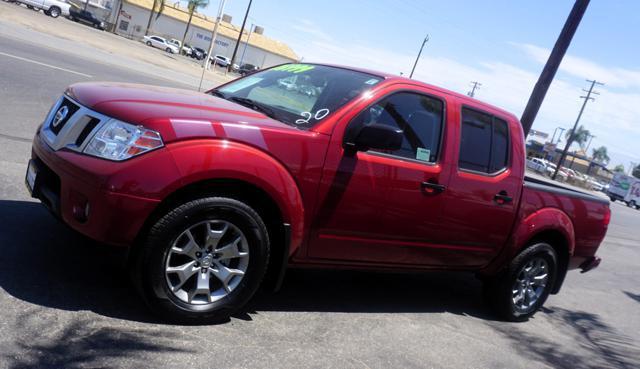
426,39
575,126
205,62
550,69
476,86
235,49
246,44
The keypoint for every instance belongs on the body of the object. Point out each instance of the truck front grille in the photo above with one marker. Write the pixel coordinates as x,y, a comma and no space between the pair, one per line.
69,125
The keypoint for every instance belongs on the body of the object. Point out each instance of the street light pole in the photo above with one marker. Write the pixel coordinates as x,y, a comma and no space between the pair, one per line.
418,57
575,126
586,151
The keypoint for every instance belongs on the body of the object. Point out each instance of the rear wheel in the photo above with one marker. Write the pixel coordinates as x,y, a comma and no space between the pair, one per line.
202,261
168,49
524,287
632,204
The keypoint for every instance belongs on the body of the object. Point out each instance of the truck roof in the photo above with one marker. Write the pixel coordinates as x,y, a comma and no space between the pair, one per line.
392,77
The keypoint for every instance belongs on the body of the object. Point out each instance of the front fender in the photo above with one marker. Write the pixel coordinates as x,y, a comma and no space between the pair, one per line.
199,160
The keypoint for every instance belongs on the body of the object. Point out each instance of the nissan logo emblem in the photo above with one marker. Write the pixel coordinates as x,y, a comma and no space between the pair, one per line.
60,115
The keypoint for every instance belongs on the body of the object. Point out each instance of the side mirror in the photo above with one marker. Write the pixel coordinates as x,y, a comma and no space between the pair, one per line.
378,136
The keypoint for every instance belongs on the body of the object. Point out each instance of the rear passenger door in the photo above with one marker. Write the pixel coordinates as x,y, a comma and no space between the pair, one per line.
483,192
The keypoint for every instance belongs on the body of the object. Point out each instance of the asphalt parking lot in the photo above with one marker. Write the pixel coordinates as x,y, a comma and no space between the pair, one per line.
66,301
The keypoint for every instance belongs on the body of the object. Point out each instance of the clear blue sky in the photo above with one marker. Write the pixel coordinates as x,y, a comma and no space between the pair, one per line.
503,44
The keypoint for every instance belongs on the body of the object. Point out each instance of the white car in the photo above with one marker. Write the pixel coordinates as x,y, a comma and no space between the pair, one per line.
222,61
160,43
52,8
185,49
537,165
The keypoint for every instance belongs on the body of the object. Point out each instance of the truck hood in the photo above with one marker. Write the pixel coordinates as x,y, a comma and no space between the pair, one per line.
175,113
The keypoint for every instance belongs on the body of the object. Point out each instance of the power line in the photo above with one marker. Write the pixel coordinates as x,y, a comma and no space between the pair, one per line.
476,86
575,126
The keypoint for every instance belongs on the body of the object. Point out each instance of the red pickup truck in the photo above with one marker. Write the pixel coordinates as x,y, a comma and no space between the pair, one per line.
307,165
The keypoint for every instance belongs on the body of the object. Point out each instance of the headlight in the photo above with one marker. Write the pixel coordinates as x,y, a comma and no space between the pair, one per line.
118,141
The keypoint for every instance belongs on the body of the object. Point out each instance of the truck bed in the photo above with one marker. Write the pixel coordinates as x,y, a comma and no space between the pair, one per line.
587,213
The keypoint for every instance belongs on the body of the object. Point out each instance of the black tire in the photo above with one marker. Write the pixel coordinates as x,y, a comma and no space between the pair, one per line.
149,260
499,291
149,43
168,49
613,199
631,204
54,12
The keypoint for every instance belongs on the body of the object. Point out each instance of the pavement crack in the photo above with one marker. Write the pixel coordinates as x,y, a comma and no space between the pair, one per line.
15,138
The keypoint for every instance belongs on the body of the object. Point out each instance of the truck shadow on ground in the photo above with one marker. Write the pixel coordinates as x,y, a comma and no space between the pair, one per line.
597,345
45,263
84,344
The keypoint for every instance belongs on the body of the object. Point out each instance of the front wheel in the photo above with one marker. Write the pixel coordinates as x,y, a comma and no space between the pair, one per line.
168,49
202,261
54,12
524,287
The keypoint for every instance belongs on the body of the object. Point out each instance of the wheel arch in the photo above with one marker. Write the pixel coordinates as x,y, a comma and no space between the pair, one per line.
550,225
560,244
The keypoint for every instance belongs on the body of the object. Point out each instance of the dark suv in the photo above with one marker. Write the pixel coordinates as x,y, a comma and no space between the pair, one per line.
84,16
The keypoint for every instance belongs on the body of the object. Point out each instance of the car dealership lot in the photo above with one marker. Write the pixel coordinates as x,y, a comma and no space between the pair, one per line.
66,301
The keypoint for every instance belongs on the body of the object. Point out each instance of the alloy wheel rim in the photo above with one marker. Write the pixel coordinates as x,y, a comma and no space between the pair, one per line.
530,284
206,262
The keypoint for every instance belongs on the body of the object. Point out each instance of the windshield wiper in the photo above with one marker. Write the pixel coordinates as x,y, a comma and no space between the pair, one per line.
218,93
255,106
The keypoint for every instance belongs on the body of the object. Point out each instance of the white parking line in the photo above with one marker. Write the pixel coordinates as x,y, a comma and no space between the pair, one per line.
45,65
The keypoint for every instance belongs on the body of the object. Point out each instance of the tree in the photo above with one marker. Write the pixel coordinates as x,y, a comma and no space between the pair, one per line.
580,137
156,3
193,5
619,168
600,155
636,171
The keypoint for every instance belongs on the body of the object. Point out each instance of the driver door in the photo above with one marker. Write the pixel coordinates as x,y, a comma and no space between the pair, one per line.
382,206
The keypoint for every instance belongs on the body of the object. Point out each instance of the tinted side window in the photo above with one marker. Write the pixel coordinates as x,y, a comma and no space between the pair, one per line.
500,146
418,116
484,143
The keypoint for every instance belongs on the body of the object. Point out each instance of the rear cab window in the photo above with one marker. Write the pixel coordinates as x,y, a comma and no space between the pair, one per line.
484,143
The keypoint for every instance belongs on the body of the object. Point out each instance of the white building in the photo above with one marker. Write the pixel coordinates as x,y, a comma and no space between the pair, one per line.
131,18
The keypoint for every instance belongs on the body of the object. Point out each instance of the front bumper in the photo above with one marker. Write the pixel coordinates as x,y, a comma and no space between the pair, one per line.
106,201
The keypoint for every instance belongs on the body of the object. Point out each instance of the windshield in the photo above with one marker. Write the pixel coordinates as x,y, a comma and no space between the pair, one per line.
299,94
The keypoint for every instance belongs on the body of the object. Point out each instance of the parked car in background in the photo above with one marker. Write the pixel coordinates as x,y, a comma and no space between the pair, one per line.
195,54
537,165
186,50
221,60
52,8
625,188
288,83
84,16
160,43
217,194
562,174
247,68
594,184
199,53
